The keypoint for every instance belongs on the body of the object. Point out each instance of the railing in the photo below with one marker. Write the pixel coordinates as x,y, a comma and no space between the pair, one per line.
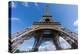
19,33
71,34
46,23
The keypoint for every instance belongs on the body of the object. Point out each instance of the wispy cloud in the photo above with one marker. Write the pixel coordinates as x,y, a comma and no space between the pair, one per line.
48,46
25,4
13,5
15,19
27,48
76,24
63,43
36,4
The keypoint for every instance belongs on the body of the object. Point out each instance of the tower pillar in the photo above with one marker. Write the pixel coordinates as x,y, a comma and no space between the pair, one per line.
56,40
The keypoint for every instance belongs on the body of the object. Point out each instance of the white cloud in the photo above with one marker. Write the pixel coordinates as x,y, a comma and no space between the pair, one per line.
13,4
48,46
76,24
25,4
36,4
27,48
16,19
64,44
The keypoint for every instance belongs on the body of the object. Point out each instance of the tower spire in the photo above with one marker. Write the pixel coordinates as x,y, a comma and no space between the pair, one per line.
47,17
47,10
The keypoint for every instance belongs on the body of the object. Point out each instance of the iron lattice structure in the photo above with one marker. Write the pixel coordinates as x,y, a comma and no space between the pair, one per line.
45,29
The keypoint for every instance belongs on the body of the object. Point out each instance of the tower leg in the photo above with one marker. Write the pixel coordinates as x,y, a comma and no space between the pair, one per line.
10,46
57,43
56,40
74,46
36,44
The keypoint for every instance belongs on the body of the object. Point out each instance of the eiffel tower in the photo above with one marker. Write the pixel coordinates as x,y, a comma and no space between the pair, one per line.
44,30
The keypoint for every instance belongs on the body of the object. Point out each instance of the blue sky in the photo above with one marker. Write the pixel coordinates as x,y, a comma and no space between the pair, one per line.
25,13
